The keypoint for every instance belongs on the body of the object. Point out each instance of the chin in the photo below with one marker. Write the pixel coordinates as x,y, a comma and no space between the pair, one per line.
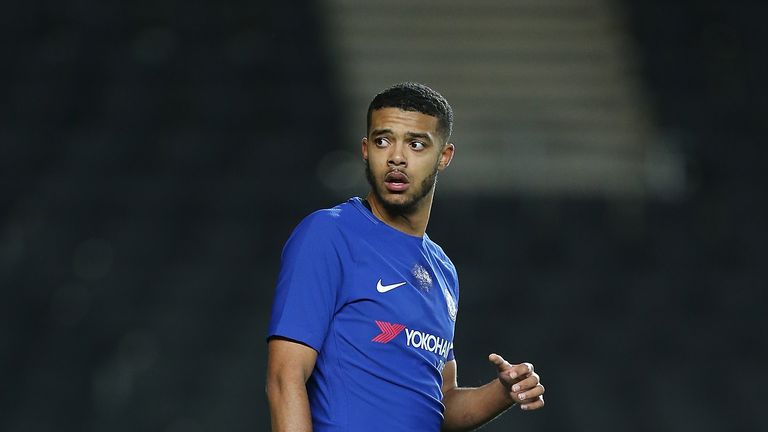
398,203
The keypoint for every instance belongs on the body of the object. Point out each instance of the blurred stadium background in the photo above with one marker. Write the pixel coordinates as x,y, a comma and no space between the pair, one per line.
606,210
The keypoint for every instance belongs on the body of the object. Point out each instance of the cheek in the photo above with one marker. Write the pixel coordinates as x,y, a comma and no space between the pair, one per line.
379,160
375,165
427,166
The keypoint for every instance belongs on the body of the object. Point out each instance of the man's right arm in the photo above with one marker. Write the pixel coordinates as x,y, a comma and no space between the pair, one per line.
289,365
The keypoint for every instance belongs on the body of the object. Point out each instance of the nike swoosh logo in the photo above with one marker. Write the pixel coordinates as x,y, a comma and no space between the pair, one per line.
384,288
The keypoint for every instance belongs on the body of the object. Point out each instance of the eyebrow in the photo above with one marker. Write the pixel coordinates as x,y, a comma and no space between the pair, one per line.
421,135
425,136
381,131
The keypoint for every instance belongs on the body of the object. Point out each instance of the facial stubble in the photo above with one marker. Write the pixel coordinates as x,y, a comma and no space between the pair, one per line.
408,207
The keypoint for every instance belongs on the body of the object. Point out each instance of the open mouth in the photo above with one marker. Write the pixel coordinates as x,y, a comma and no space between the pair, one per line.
396,181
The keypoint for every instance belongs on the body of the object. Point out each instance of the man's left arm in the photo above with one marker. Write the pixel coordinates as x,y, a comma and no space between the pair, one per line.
469,408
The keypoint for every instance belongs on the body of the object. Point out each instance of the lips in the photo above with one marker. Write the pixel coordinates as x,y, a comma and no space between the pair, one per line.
396,181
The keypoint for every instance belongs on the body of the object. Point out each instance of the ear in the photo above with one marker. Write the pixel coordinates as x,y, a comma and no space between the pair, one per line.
446,155
365,148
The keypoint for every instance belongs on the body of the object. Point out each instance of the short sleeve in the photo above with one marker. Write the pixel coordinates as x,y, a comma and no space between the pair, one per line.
308,283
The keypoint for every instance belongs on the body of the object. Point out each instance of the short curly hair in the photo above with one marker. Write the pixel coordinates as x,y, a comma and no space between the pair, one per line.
411,96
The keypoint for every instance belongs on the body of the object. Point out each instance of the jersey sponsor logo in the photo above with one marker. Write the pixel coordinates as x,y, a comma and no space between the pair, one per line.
413,338
388,331
384,288
428,342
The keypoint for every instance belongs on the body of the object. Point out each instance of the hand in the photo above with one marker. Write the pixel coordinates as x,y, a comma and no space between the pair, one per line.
521,382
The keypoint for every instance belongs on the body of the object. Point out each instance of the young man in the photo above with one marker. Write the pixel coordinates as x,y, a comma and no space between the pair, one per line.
361,334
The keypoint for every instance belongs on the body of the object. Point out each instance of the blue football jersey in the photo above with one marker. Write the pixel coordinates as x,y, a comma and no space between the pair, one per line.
379,306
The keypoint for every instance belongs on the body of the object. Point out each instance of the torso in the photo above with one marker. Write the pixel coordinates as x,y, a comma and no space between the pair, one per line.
392,330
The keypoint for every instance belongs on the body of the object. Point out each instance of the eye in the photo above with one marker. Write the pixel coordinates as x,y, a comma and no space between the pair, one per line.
381,142
417,145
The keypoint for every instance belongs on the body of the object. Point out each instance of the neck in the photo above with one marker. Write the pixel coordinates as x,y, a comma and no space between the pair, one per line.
413,223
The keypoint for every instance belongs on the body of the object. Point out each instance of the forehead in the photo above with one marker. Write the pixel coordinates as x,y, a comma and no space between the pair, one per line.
404,121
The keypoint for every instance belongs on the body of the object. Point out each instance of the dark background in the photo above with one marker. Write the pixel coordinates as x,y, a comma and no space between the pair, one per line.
155,156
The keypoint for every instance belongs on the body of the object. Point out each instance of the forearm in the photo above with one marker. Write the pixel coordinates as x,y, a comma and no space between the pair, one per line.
288,405
469,408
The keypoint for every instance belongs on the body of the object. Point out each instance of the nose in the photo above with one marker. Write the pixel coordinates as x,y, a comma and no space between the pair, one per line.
397,156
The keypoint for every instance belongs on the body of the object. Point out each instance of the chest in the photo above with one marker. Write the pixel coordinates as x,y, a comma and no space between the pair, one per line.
401,289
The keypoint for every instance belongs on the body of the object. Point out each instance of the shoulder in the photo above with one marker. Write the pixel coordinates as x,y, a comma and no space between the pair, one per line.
442,258
321,220
326,225
317,228
325,221
438,252
448,270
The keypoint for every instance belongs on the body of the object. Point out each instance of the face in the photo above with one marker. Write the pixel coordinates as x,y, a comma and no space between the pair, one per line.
403,153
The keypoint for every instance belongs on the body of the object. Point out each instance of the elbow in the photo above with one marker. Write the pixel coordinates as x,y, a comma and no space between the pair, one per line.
271,386
283,381
276,384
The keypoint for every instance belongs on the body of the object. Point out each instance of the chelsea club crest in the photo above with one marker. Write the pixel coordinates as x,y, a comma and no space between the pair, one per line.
451,303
